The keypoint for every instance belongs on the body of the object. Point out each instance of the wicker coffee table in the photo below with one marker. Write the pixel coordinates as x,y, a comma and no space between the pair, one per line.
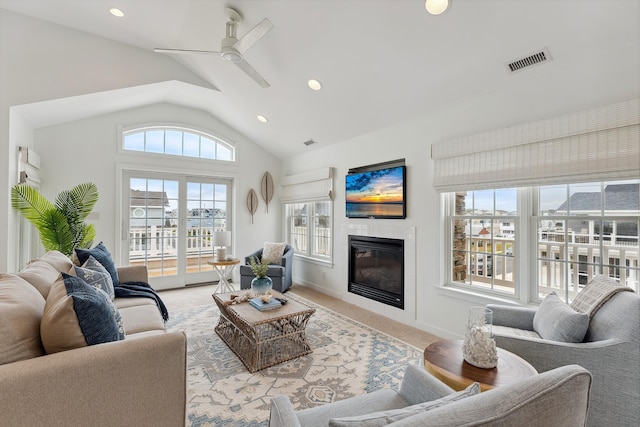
263,338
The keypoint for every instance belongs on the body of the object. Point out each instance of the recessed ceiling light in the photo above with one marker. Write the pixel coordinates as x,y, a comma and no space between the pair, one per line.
262,119
116,12
314,84
436,7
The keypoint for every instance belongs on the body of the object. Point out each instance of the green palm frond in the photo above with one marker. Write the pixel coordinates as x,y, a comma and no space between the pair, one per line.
55,233
79,201
61,226
30,203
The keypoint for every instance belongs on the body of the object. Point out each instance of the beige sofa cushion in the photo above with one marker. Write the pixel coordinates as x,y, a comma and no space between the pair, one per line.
21,307
57,260
43,272
141,318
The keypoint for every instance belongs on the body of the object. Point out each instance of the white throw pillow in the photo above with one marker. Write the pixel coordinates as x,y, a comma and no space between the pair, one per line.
272,252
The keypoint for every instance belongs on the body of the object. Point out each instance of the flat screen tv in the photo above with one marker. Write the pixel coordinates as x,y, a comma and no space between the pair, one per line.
378,193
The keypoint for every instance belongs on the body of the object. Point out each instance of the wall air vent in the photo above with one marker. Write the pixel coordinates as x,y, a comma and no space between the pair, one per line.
309,142
536,58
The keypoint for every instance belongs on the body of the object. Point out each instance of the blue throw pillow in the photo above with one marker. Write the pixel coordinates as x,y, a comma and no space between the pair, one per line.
103,256
96,275
77,315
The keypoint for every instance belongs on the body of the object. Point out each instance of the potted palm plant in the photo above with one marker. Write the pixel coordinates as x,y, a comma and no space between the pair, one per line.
261,284
61,224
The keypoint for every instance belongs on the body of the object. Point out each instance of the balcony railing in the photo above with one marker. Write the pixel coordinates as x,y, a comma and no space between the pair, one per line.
588,239
156,242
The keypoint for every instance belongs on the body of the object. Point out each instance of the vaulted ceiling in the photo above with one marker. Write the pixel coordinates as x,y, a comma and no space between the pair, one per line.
380,62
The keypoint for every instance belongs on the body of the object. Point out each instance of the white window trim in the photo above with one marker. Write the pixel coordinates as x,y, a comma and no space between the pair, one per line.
525,278
521,293
121,130
324,261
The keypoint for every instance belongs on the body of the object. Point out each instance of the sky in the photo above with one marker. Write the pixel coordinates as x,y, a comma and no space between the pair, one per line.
383,186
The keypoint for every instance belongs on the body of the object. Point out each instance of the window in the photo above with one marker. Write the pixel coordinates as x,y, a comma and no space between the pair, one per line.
178,142
309,229
171,219
568,233
483,239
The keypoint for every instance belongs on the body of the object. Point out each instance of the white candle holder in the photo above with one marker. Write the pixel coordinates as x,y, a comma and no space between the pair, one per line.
479,348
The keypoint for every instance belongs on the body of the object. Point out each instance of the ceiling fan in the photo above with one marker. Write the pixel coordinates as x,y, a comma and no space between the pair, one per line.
232,49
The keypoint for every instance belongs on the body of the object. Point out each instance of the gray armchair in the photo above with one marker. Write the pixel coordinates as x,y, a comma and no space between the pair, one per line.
555,398
279,274
610,351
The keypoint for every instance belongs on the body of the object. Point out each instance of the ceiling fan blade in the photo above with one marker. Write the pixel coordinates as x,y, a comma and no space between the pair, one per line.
251,72
186,51
255,34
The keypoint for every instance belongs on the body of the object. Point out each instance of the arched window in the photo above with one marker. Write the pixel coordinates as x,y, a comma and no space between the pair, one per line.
176,141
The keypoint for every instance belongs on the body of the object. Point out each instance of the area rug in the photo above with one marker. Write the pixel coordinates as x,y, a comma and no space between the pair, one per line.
348,359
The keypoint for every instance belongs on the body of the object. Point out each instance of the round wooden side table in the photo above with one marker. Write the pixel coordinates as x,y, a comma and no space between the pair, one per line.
443,359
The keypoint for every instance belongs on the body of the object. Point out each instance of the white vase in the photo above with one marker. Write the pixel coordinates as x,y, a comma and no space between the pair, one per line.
479,348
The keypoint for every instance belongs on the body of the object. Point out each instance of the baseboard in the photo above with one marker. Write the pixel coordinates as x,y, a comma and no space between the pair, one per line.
442,333
318,288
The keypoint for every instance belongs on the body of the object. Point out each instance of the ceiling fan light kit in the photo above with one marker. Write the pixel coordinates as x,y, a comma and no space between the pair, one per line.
232,49
437,7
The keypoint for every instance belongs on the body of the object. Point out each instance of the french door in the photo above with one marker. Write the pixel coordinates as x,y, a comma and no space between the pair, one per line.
169,222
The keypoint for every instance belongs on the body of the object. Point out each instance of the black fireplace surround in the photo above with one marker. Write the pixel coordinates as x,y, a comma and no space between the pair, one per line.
376,269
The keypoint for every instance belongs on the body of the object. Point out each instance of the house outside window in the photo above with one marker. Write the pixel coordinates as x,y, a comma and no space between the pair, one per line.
483,239
566,233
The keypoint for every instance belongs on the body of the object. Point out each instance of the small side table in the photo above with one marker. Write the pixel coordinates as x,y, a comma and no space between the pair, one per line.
224,269
443,359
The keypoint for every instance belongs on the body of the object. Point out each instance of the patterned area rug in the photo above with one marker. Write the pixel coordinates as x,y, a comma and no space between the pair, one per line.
348,359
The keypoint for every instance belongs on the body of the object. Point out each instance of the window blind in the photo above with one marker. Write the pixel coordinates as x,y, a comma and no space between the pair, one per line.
592,145
316,185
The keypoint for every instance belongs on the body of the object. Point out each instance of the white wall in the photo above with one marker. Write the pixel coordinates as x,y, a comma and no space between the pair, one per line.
87,151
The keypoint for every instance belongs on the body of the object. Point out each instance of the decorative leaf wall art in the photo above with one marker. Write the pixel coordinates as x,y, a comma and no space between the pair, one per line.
266,188
252,202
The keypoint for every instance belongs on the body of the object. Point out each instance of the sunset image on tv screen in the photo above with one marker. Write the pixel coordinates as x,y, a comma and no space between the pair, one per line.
376,193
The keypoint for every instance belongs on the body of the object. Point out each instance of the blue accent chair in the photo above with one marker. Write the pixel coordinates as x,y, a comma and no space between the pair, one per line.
279,274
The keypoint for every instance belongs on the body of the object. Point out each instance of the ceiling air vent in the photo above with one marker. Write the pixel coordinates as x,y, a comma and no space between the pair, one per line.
309,142
534,59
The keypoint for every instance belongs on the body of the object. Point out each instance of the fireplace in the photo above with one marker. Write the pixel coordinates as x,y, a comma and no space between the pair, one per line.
376,269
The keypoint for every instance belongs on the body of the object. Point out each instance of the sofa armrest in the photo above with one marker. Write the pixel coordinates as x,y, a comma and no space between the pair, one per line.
133,273
281,413
137,381
513,316
614,356
419,386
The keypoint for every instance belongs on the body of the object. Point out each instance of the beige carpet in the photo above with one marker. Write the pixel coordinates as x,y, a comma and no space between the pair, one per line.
348,359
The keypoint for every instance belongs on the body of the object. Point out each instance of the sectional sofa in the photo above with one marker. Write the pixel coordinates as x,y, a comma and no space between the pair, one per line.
136,381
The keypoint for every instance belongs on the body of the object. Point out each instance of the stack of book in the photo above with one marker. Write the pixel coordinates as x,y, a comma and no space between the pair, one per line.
257,303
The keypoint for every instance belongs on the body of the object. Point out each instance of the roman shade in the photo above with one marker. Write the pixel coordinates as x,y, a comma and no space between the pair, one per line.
592,145
316,185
